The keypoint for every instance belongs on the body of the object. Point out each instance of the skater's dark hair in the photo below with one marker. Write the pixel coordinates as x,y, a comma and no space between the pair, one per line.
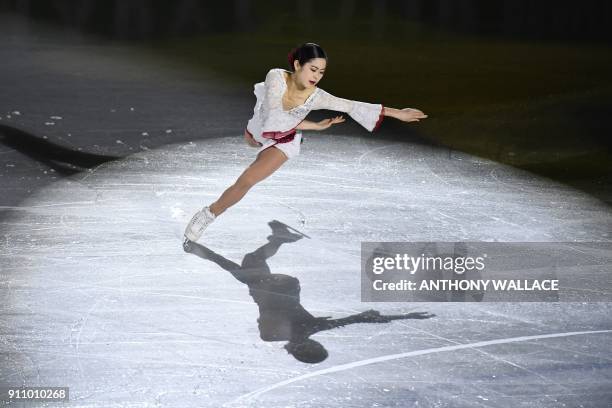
308,351
304,53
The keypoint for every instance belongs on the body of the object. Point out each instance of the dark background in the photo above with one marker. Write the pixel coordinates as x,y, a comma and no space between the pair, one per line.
146,19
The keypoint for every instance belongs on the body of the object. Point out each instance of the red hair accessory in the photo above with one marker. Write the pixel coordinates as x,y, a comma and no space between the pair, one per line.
291,57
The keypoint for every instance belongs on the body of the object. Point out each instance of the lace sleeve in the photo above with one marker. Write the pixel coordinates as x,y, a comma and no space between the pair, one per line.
368,115
275,124
272,91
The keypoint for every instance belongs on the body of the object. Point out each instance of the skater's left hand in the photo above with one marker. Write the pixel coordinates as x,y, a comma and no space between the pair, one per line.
410,115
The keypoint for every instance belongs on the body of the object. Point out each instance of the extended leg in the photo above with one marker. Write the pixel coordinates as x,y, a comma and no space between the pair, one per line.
267,162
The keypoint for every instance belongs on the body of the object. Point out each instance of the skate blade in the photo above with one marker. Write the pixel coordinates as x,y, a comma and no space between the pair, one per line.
295,230
290,228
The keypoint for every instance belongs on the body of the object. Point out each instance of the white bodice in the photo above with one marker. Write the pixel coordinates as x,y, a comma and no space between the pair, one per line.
271,119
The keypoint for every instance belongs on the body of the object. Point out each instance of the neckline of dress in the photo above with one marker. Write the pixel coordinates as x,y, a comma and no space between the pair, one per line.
286,88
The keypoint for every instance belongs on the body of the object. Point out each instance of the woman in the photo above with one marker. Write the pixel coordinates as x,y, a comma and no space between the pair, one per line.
283,101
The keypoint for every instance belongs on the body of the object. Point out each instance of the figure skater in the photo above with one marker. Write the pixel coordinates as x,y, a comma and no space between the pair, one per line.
283,101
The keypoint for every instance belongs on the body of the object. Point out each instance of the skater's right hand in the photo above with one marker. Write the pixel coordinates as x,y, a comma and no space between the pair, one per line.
325,123
249,139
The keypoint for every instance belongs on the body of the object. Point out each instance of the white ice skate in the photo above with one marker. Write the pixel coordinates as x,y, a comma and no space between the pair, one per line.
198,224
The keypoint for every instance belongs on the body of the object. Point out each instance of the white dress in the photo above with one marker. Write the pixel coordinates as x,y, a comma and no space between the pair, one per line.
271,125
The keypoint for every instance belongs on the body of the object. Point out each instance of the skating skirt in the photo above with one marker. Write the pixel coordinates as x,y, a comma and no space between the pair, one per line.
290,144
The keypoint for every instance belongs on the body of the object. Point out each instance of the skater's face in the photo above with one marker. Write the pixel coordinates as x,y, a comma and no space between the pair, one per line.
309,74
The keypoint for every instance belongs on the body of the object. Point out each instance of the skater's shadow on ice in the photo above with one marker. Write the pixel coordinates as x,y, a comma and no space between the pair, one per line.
281,316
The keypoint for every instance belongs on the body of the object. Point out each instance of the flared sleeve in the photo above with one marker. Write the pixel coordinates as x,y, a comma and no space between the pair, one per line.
275,124
368,115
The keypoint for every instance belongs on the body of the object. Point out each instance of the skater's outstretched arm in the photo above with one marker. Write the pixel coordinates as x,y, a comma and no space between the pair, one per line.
405,115
368,115
369,316
321,125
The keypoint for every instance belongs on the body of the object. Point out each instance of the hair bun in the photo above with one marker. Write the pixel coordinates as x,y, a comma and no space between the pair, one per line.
291,57
304,53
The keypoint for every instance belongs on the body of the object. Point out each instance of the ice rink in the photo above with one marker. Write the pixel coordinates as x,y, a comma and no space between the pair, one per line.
99,294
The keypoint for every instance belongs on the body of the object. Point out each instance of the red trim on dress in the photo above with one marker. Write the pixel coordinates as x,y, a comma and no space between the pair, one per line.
287,138
282,137
380,118
277,135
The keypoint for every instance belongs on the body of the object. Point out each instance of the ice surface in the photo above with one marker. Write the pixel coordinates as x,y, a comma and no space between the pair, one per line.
100,296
